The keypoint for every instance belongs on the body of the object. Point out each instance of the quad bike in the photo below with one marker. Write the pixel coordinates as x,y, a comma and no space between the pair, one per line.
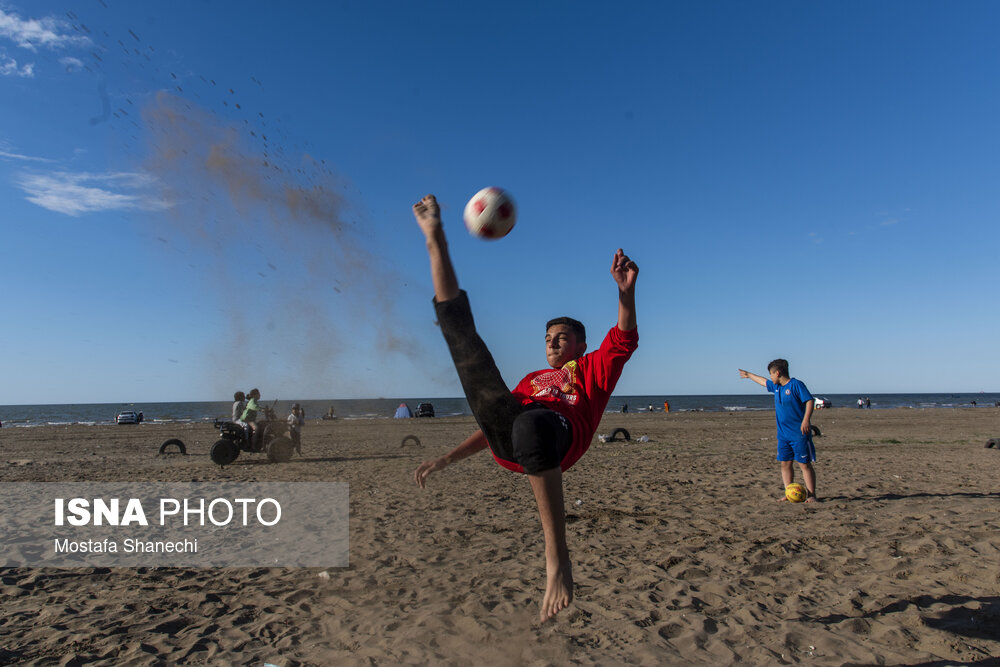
272,439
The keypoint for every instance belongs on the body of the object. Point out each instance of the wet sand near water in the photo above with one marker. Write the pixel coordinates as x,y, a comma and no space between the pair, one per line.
682,555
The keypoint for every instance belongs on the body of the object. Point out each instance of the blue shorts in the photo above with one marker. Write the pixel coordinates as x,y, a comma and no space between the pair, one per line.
800,449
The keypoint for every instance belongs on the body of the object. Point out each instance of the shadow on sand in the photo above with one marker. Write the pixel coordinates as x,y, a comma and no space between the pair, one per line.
911,496
982,621
316,459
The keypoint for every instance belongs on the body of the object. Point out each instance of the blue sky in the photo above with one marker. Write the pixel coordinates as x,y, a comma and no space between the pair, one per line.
215,195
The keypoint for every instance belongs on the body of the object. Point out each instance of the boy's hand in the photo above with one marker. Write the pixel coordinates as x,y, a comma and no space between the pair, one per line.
762,381
427,467
624,271
806,427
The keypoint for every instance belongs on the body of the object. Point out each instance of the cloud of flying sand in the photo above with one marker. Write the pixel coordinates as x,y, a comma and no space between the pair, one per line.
289,263
291,269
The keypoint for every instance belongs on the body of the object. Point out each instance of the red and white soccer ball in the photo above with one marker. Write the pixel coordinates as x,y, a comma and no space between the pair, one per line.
490,214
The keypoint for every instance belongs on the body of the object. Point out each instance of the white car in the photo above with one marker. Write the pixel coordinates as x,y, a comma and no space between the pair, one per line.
820,403
128,417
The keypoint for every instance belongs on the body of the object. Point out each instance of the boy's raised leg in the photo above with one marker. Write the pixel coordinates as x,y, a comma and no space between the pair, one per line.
428,215
491,401
548,490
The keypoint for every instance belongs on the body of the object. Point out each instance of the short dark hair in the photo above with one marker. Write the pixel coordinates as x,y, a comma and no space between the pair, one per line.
575,325
781,366
239,396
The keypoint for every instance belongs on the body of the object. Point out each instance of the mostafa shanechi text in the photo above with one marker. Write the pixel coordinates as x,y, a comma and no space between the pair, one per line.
128,546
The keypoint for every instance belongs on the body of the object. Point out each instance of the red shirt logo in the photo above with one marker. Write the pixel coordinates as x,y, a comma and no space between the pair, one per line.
560,384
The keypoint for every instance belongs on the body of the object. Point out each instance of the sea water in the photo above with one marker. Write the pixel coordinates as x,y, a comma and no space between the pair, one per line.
385,408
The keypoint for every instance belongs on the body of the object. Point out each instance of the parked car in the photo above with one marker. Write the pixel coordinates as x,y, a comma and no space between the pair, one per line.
424,410
820,403
128,417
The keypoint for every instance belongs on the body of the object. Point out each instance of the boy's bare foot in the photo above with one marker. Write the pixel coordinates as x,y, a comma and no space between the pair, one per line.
782,499
428,215
558,589
811,499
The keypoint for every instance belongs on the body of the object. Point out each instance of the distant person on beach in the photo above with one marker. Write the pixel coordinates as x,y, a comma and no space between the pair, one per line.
296,420
624,408
793,408
239,404
547,423
861,403
868,403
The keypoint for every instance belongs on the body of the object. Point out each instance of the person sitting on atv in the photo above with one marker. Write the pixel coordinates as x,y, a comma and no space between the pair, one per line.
239,405
249,417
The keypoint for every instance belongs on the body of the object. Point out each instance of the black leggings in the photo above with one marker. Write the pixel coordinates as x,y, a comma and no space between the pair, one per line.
530,435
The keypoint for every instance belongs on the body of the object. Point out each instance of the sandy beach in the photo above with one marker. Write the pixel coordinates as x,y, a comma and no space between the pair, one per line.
681,553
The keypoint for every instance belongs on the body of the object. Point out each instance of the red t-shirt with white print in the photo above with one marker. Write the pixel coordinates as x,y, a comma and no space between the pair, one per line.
579,391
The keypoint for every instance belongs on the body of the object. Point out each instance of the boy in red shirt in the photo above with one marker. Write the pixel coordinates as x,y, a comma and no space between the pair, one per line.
547,423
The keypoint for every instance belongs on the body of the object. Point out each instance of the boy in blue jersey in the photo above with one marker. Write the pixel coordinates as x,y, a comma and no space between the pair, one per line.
793,408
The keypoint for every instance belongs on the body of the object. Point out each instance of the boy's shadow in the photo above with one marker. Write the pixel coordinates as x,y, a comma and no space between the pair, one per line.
958,619
983,662
321,459
907,496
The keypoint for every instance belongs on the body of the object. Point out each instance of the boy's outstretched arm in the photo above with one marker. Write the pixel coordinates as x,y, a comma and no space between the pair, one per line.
762,381
625,272
474,443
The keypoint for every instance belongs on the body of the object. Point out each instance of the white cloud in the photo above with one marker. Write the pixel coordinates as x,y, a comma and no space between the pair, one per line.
84,192
30,34
71,64
25,158
8,67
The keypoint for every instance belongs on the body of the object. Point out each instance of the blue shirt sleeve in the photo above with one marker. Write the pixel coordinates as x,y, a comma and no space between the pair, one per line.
770,386
801,392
